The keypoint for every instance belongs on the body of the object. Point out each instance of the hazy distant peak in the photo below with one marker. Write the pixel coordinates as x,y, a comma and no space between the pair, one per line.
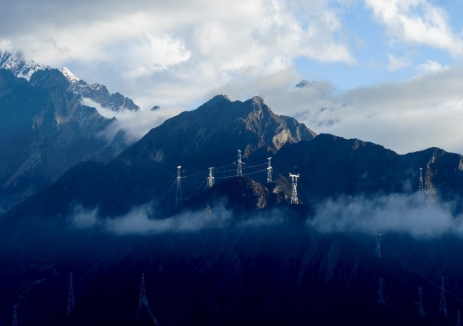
304,83
69,75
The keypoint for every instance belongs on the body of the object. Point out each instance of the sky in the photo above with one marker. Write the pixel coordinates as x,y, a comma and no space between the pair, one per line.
385,71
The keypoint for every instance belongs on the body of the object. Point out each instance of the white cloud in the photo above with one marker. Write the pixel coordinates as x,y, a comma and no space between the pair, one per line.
397,63
406,116
140,221
136,124
417,22
409,214
431,67
171,53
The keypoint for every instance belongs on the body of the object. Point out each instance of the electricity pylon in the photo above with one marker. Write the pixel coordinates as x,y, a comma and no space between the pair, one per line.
294,177
210,178
178,195
239,165
381,301
269,170
378,244
443,304
143,302
71,300
15,314
420,303
421,184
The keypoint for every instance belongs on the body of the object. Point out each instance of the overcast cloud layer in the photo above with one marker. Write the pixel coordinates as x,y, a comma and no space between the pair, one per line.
178,54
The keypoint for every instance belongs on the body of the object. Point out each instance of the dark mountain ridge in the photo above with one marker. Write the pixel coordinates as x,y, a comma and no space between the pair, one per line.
331,166
45,130
265,265
144,171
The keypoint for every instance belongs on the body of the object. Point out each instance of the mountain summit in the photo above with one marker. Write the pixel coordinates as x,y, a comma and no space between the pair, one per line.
96,93
44,130
198,139
220,127
69,75
17,64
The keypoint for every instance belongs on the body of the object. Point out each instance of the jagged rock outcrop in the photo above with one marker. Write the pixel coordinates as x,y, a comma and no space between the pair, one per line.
331,166
194,139
22,68
44,130
18,65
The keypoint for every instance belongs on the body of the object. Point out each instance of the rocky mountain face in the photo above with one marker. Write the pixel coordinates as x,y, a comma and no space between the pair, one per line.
209,136
99,94
18,65
330,166
196,140
44,130
22,68
235,253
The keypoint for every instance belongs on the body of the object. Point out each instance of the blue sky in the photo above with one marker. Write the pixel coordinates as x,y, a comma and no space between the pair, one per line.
386,70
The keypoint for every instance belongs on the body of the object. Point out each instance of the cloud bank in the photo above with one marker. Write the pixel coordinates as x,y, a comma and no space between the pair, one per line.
422,112
169,53
408,214
178,54
138,221
412,214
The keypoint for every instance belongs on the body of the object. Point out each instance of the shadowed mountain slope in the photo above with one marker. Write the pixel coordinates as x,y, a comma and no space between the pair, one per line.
146,170
331,166
44,130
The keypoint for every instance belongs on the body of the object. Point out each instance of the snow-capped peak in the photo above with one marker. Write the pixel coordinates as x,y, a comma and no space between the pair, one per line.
69,75
16,63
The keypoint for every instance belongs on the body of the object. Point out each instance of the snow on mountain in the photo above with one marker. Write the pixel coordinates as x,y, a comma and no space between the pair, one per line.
17,64
69,75
99,93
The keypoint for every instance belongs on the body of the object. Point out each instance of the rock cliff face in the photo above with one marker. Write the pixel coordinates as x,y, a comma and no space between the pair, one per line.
259,261
17,64
331,166
22,68
44,130
209,135
99,94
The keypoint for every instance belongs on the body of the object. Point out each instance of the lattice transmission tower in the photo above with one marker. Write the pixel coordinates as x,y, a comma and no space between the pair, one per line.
269,170
210,178
71,299
178,194
443,304
143,302
378,244
420,303
239,165
294,177
15,314
421,184
381,301
458,318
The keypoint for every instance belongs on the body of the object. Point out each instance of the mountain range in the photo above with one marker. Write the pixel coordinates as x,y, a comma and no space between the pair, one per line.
234,252
45,127
329,166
